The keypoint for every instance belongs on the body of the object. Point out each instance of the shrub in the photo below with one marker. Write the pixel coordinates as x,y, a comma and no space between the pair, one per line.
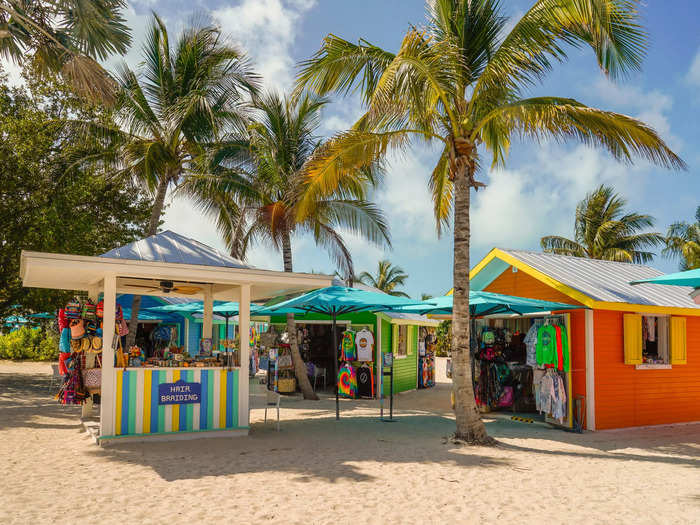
444,339
29,343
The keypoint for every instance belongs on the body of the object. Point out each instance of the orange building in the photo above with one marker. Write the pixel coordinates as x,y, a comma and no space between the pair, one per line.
635,350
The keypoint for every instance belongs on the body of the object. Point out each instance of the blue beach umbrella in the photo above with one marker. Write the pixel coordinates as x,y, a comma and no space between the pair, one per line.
690,278
486,303
334,301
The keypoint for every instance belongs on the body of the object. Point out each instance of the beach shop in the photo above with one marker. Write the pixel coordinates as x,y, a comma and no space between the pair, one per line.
634,350
409,338
196,395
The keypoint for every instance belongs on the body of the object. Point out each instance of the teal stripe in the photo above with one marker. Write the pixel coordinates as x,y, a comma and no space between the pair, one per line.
210,398
132,401
233,402
190,406
161,408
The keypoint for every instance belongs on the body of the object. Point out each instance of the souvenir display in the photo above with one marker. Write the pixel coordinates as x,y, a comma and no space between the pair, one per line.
347,381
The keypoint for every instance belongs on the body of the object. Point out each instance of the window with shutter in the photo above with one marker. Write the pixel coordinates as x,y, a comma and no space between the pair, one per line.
679,355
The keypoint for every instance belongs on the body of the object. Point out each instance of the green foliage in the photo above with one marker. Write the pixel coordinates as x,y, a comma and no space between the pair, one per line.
444,339
46,202
65,37
387,278
683,241
36,344
259,186
603,230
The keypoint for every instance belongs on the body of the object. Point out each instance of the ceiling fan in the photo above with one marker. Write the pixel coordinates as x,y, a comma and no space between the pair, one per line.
169,286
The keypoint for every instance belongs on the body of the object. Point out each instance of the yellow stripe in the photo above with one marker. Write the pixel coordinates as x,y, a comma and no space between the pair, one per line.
646,308
147,401
118,405
176,408
222,400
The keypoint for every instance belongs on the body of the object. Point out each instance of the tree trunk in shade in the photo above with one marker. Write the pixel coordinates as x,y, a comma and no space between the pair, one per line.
470,427
156,212
299,365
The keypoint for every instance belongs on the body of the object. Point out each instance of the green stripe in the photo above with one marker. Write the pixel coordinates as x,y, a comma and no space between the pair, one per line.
234,401
161,409
190,407
210,398
132,401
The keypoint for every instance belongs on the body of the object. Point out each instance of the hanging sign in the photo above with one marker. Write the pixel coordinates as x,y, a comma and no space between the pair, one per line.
179,393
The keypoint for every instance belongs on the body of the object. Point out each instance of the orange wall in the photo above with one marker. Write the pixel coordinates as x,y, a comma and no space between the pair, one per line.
627,397
521,284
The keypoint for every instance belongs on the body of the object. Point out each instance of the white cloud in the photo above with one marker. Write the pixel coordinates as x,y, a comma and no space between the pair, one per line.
693,75
519,206
267,29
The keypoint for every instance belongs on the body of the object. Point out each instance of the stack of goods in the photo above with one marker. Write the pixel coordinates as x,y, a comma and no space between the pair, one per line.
80,350
286,382
493,380
356,376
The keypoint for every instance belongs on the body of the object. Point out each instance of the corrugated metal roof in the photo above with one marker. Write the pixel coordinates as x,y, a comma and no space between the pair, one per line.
607,280
171,247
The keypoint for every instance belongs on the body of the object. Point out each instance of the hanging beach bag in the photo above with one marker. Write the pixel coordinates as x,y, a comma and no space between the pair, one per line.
89,310
64,342
63,321
119,313
92,379
122,328
77,329
100,309
73,310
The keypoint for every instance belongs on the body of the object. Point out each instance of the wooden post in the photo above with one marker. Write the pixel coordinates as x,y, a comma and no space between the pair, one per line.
208,314
590,371
244,380
107,390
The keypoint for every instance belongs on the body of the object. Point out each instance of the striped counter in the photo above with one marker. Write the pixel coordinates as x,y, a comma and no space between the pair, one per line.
138,411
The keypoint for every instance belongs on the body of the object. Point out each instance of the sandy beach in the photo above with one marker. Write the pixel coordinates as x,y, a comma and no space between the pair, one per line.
358,470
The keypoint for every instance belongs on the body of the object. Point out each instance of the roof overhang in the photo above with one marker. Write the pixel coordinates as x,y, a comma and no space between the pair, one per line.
78,272
497,261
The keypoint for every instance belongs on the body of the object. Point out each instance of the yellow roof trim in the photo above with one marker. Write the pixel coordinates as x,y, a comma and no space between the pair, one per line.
546,279
646,308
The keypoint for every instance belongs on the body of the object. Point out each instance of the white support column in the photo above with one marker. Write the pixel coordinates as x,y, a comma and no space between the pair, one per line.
590,372
208,314
187,337
243,380
108,390
380,361
86,410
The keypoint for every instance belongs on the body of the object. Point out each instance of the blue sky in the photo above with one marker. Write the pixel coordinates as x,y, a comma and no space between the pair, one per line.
537,192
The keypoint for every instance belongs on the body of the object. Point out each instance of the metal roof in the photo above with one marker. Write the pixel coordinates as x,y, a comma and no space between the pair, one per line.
607,281
171,247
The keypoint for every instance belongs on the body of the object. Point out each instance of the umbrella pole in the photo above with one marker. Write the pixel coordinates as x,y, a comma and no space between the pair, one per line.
335,365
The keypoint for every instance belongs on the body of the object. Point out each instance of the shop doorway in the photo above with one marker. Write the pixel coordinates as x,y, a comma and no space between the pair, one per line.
316,347
512,376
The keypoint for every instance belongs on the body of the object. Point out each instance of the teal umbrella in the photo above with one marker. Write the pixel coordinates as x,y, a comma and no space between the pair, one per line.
486,303
225,309
690,278
335,301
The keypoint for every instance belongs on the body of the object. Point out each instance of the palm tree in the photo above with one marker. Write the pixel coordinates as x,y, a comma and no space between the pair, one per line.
602,230
66,37
387,278
461,82
254,198
172,113
683,241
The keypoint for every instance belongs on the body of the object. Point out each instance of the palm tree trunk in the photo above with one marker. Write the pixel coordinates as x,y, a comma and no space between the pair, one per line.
156,212
470,427
299,365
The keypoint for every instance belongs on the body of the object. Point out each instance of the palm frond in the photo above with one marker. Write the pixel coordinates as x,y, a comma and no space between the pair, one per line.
562,246
341,66
564,119
539,38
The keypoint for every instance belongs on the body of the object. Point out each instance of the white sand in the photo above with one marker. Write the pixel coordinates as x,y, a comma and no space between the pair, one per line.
354,471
